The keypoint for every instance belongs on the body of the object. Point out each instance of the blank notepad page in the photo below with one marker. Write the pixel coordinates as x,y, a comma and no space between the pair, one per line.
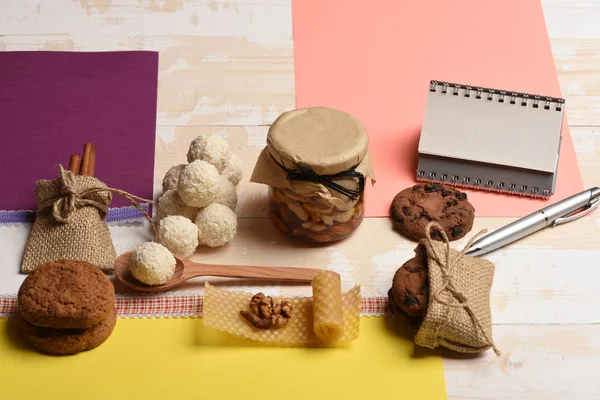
493,128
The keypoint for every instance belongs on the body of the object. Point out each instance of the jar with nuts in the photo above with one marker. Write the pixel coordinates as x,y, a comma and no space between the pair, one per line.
316,164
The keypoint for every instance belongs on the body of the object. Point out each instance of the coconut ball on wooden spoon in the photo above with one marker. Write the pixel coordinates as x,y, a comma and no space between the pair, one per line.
152,263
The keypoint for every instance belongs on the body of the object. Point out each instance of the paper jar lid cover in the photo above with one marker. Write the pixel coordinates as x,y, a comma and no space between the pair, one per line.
327,141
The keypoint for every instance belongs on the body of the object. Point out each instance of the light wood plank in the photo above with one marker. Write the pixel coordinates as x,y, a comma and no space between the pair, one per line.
231,63
567,19
247,142
202,80
223,63
538,280
105,19
538,362
586,142
197,35
569,4
574,36
577,66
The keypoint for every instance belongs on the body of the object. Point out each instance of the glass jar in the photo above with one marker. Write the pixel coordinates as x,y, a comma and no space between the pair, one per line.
315,164
311,218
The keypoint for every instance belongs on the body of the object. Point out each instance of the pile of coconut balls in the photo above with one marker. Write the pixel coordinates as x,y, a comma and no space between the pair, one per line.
197,208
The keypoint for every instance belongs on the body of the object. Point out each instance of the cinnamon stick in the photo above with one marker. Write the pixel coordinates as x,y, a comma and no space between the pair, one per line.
85,161
92,165
75,164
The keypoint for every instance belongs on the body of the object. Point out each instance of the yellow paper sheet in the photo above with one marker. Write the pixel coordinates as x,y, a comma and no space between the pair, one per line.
181,359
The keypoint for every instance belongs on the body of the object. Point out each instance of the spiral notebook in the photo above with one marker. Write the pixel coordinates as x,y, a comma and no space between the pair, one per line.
490,139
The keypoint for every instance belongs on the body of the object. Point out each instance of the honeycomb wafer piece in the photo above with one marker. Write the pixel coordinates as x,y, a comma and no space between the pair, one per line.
221,311
328,316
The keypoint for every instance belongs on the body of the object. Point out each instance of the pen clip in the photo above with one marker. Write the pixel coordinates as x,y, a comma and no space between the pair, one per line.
578,214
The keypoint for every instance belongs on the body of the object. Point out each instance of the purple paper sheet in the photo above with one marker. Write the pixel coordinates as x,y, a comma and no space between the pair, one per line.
51,103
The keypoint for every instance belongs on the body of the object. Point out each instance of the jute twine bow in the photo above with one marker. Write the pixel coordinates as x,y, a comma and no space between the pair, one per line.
447,267
304,173
70,199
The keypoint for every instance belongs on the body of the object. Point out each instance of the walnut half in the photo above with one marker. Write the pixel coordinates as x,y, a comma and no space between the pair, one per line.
264,313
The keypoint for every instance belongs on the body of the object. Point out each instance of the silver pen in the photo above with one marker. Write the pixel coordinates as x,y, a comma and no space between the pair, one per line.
564,211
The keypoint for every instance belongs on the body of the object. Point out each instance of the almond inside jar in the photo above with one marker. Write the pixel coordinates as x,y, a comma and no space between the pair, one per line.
313,219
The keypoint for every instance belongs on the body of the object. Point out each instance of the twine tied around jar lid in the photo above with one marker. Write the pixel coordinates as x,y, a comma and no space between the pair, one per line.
304,173
316,151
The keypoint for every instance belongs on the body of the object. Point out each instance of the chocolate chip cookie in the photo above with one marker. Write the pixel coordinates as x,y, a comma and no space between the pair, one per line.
68,341
409,294
413,208
66,295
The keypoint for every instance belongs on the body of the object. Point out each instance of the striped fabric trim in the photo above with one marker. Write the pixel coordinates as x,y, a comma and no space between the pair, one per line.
188,305
119,214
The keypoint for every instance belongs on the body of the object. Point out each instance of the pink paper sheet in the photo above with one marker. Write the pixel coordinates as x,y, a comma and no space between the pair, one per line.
374,59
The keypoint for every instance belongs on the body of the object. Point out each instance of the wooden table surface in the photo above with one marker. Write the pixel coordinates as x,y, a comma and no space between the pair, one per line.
228,67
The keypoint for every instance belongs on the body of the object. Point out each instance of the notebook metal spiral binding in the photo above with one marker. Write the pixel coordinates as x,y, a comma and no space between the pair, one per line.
482,184
518,99
501,96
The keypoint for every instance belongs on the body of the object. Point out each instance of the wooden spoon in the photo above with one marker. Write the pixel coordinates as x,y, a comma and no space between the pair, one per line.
186,269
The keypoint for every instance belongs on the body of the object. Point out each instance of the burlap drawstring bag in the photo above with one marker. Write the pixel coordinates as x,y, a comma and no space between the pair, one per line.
70,222
459,315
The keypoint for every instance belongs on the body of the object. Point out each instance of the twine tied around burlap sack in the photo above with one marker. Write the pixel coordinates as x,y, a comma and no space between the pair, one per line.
70,222
459,315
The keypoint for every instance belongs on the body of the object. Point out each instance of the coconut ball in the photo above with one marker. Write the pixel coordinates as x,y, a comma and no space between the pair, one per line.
226,193
217,225
179,235
170,203
211,148
198,183
233,170
172,177
152,264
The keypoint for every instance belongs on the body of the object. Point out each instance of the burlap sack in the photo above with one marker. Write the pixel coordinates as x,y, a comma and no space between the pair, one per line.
70,223
459,315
